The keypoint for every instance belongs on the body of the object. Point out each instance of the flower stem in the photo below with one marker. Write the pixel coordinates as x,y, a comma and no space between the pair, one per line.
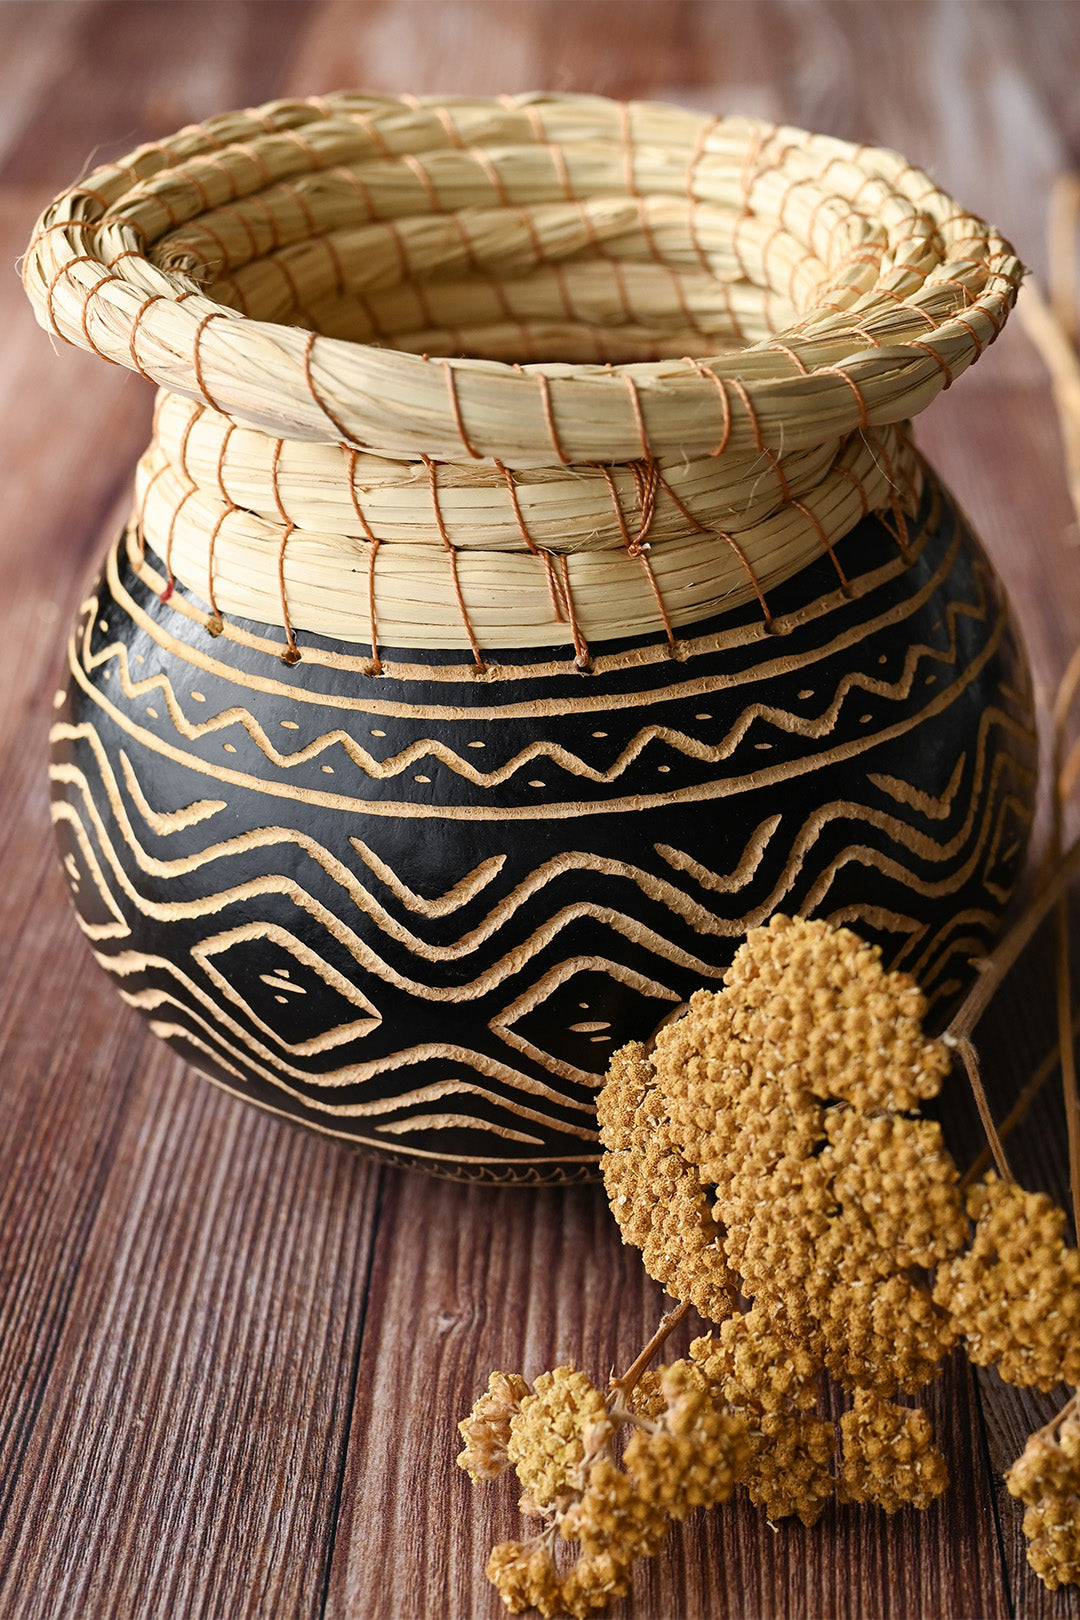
626,1385
1007,951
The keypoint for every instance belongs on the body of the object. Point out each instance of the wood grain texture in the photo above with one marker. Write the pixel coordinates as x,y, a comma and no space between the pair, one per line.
231,1356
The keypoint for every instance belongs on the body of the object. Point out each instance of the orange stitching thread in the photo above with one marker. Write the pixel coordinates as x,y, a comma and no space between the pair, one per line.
856,482
336,266
216,623
718,383
360,518
782,348
755,425
445,538
915,343
372,131
838,371
581,646
86,319
557,605
279,445
454,134
376,661
549,418
214,315
491,174
222,452
823,537
341,431
562,173
700,528
292,653
627,137
638,547
83,258
415,167
902,536
744,559
635,400
455,406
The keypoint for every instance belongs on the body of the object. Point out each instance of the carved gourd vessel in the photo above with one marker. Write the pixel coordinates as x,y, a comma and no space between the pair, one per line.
531,585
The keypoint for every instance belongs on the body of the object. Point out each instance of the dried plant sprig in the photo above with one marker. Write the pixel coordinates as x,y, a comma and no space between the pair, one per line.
655,1194
686,1453
1046,1478
770,1146
1015,1293
889,1455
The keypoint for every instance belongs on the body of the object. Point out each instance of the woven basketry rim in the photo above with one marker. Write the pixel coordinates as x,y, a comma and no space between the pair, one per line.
91,281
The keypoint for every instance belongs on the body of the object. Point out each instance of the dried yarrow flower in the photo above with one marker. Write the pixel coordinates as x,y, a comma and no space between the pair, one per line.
1015,1293
1046,1478
757,1366
549,1431
524,1575
786,1462
486,1430
691,1458
654,1192
889,1455
783,1091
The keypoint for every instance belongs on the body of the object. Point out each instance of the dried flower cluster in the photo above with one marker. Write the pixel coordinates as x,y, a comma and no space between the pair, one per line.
1015,1293
1046,1478
770,1147
560,1439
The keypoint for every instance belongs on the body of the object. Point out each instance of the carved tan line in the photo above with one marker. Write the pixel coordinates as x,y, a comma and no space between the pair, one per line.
167,821
812,727
714,642
725,788
499,1170
450,1122
655,888
717,641
466,889
501,1024
975,917
811,831
212,946
254,1056
989,837
396,764
561,810
118,929
513,962
925,803
741,873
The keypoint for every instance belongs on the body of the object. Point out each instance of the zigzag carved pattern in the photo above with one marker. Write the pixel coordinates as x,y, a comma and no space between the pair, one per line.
451,998
196,1012
808,727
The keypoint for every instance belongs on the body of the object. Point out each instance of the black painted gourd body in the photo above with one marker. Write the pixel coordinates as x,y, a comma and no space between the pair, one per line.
419,910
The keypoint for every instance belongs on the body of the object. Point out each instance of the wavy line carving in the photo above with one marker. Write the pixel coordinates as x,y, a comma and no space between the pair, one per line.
466,889
810,727
165,822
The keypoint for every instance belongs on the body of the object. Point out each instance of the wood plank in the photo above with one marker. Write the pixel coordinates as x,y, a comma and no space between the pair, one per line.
182,1280
184,1310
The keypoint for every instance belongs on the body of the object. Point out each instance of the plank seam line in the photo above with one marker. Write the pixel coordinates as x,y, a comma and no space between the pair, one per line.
350,1402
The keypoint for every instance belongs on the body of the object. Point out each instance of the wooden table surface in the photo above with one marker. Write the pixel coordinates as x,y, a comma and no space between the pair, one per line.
232,1355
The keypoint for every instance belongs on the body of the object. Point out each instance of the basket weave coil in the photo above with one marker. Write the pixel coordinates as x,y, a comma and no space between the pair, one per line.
524,372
